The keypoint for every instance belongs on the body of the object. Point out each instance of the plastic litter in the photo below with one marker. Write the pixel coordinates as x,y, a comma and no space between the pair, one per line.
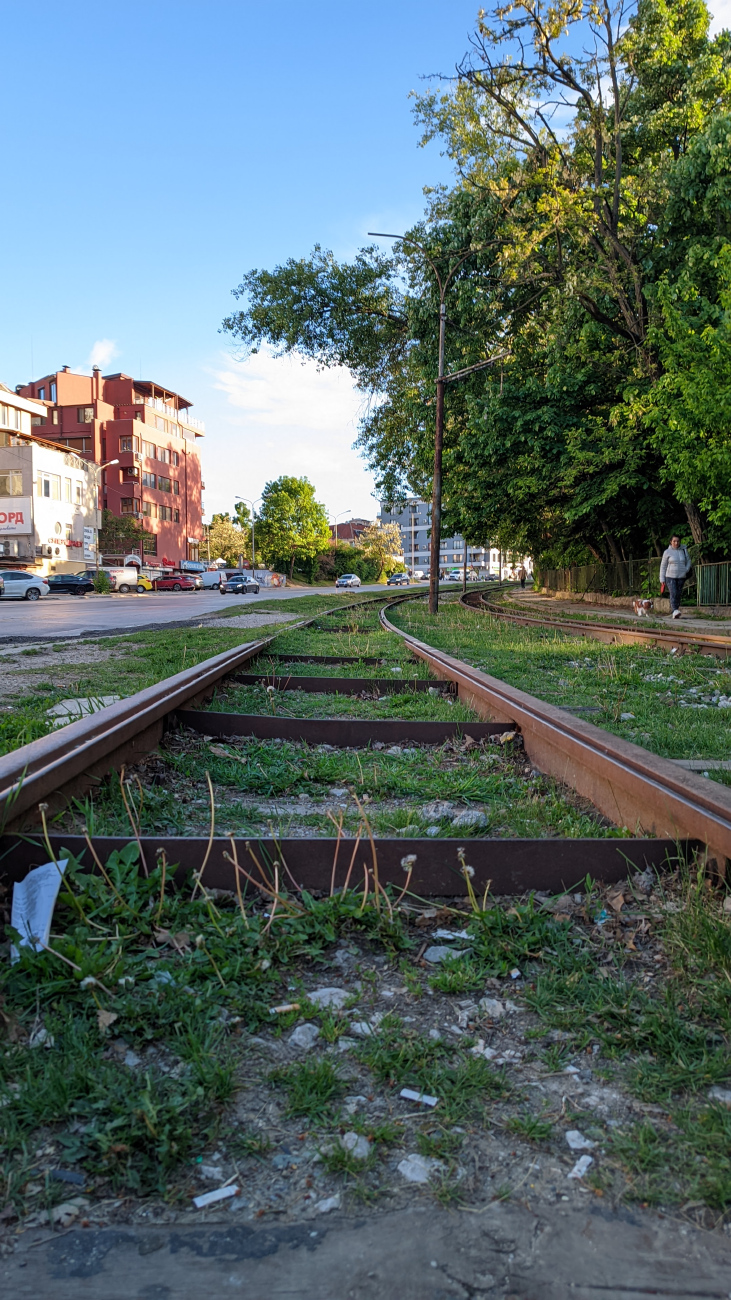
210,1198
577,1141
581,1167
410,1094
34,899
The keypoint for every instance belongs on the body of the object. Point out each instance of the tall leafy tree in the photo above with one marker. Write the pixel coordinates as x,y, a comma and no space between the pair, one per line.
292,525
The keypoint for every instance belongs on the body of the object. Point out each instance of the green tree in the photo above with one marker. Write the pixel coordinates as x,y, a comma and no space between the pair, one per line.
227,540
119,535
383,545
291,524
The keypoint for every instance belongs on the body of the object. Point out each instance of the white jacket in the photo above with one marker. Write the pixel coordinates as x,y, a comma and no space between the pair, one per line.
676,563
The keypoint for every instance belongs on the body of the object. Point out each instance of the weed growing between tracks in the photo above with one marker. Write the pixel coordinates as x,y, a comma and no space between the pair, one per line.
145,1041
675,705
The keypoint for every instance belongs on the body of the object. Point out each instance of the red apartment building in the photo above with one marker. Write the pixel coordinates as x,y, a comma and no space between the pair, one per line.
149,429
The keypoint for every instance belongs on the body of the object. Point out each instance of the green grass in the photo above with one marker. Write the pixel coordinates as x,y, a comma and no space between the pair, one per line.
312,1088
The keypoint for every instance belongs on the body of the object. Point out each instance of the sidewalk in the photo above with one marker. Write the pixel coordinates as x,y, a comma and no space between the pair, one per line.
554,607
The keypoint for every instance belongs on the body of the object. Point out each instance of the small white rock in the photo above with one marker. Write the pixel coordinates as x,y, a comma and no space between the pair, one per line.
492,1007
41,1038
577,1141
353,1103
212,1173
63,1215
470,818
418,1169
356,1144
328,998
626,717
722,1095
330,1203
437,953
304,1036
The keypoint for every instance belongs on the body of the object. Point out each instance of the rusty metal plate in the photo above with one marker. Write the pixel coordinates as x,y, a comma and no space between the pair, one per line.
339,732
509,866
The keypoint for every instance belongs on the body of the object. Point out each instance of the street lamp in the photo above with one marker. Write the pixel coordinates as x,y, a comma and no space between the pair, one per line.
249,502
98,470
442,379
335,525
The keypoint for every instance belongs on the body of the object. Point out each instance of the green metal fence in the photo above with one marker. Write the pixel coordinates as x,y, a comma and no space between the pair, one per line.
714,584
710,583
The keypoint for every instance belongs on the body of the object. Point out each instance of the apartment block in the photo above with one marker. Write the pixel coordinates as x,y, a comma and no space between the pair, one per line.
414,520
48,496
148,428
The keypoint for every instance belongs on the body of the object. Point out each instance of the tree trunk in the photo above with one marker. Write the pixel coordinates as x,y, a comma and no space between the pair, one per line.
695,521
614,549
291,568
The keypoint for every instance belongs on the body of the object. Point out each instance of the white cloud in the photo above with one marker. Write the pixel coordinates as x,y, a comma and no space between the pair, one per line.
282,416
103,351
720,15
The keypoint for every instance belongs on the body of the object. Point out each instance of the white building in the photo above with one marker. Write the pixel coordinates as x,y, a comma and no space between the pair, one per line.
49,516
414,520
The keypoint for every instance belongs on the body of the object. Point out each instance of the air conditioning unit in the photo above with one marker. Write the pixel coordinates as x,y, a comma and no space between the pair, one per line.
45,551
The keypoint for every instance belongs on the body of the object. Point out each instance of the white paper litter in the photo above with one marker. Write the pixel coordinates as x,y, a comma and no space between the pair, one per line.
210,1198
581,1167
410,1095
33,902
450,934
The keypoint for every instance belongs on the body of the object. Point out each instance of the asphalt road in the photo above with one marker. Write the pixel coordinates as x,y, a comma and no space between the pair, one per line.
69,616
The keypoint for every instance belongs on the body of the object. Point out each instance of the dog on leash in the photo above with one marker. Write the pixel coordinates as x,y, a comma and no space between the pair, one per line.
643,608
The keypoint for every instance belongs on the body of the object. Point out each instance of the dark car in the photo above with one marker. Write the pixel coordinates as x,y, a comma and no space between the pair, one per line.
398,580
238,584
73,584
174,582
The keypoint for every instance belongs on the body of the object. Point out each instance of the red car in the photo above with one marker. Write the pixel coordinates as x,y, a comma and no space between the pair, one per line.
175,582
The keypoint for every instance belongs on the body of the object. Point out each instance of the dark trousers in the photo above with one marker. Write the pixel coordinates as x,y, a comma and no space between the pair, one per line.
522,584
675,588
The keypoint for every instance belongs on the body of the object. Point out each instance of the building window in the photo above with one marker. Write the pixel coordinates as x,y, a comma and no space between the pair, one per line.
148,479
149,544
149,509
68,532
67,489
129,444
138,399
11,484
85,415
163,484
53,390
173,429
10,417
129,506
149,449
176,488
38,419
160,424
79,444
42,393
163,455
55,415
165,512
176,516
79,492
192,550
49,485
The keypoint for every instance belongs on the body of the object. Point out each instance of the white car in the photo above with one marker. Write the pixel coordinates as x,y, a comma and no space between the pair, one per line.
20,585
348,580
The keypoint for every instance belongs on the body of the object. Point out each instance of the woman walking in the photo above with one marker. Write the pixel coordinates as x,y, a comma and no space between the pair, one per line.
674,569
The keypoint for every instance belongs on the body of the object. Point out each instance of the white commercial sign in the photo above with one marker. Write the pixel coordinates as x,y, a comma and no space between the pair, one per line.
15,516
90,543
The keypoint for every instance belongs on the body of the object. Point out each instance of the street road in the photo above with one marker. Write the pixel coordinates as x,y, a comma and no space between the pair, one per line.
67,616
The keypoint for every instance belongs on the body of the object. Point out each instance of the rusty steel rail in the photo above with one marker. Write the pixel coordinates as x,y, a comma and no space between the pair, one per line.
634,788
610,633
67,762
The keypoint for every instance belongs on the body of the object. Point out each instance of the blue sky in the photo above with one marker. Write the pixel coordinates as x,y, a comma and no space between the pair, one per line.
152,152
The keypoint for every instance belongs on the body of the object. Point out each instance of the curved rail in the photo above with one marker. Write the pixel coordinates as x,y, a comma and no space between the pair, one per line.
631,786
613,633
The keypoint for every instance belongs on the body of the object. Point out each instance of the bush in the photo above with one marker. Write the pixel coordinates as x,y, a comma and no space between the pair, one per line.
102,583
339,559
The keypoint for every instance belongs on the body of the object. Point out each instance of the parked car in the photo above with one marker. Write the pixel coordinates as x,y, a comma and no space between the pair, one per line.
211,579
124,578
20,585
418,575
71,584
348,580
174,582
2,584
144,583
238,584
398,580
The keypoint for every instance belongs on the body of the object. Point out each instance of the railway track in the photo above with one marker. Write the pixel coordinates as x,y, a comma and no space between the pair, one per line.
669,812
611,633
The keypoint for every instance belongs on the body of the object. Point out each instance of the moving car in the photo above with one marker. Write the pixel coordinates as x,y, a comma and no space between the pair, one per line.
348,580
20,585
398,580
71,584
238,584
174,582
